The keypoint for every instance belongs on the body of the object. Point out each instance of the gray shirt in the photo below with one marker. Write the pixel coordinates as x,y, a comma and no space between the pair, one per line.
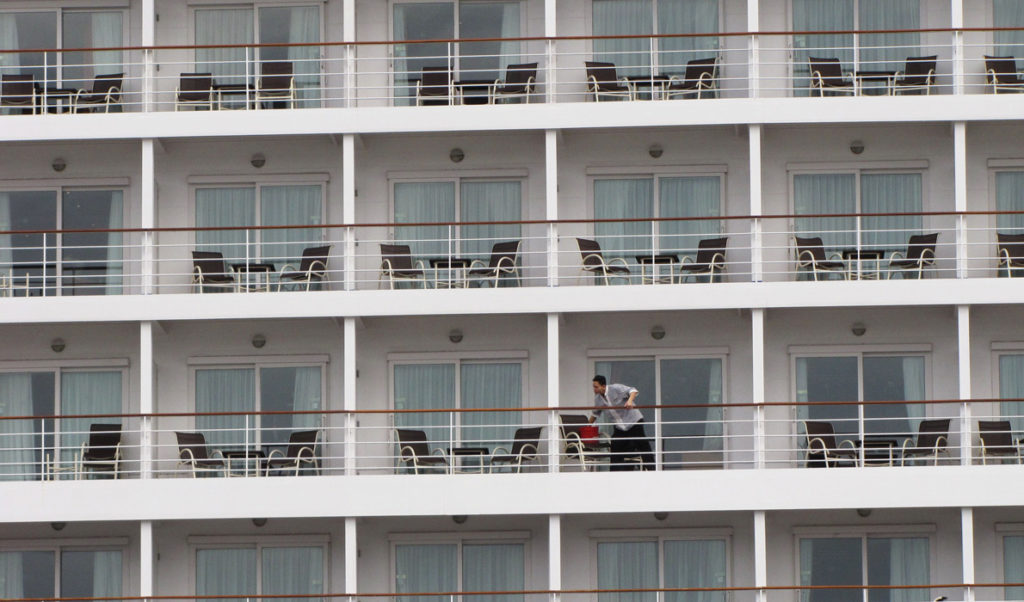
615,396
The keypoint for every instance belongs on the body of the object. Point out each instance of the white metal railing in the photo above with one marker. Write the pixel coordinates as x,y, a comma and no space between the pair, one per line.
678,436
252,77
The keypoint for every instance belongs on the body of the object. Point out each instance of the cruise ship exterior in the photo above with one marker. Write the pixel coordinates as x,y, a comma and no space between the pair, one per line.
302,300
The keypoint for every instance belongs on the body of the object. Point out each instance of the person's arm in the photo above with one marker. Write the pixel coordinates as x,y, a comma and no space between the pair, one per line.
632,396
598,402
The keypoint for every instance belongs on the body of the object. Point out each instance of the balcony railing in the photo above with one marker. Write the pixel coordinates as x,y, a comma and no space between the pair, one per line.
541,253
730,436
389,73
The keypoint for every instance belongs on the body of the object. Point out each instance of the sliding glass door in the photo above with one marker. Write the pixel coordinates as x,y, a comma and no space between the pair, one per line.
80,573
858,561
662,563
459,566
262,570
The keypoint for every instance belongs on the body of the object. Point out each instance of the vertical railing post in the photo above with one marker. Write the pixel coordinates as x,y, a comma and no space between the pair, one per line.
451,75
550,73
42,279
248,78
245,457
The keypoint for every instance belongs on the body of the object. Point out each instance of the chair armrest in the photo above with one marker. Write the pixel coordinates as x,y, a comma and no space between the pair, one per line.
1004,256
182,453
289,268
322,267
530,83
815,81
440,452
528,447
896,255
506,264
217,454
927,257
847,441
504,451
688,259
477,263
718,259
592,83
624,263
817,443
804,258
275,453
407,453
385,265
836,257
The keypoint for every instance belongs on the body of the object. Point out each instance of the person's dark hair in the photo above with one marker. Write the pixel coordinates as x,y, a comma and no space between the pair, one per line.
601,380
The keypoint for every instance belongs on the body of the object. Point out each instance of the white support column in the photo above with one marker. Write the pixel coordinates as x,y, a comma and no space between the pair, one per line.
146,382
146,557
757,317
550,67
756,227
148,214
956,9
148,60
349,378
963,322
551,201
760,555
967,546
351,559
754,56
555,555
348,206
349,35
554,438
960,195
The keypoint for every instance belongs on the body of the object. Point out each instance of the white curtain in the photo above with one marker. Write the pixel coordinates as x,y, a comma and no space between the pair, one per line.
420,21
426,387
12,574
10,63
489,202
487,60
890,193
696,563
1011,387
908,565
91,573
18,456
1008,13
490,386
226,572
493,568
86,393
713,428
913,390
289,206
686,16
224,26
226,207
305,28
293,571
419,202
619,199
5,226
115,243
821,15
888,51
307,397
226,390
831,561
1009,197
632,56
627,565
425,568
696,196
1013,566
824,194
106,33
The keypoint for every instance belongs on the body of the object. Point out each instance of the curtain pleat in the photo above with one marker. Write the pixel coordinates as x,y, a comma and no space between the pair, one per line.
86,393
490,386
289,206
697,196
219,26
632,56
627,565
822,194
226,572
1013,566
1009,197
294,571
619,199
821,15
890,193
1008,13
425,568
18,452
1011,386
426,202
426,387
696,563
908,565
685,16
493,568
11,575
888,51
226,390
221,208
489,202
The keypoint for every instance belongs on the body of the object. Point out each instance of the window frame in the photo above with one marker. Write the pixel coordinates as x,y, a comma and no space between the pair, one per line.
457,178
660,536
259,543
654,28
92,544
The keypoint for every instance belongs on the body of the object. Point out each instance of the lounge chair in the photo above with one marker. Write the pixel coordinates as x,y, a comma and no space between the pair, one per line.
920,254
312,268
435,87
932,439
194,90
589,453
106,92
917,76
301,453
1001,73
827,75
997,441
396,264
1010,250
519,82
525,444
194,454
822,449
19,90
414,450
102,451
594,262
810,255
504,256
602,82
208,270
276,85
710,260
700,78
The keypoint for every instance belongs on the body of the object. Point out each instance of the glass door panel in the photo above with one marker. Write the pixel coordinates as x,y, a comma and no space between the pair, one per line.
25,443
1011,387
31,258
486,386
686,16
489,202
624,199
294,25
288,389
83,393
698,196
425,568
829,379
289,206
91,262
898,561
426,202
486,61
695,563
227,208
831,561
426,387
890,193
495,568
90,574
225,26
28,574
420,21
29,31
824,16
691,434
823,194
296,571
627,565
893,379
227,390
226,572
90,29
631,56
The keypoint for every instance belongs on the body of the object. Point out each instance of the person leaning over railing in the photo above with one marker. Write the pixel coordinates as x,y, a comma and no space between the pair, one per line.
628,437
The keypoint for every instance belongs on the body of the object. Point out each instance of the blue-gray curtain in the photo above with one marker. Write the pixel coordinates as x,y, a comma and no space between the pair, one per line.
493,567
627,565
1009,197
486,386
1008,13
888,51
18,455
296,570
489,202
294,205
686,16
86,393
219,26
1013,566
1011,387
426,387
632,56
226,390
692,196
695,563
619,199
824,194
425,568
890,193
226,572
227,207
426,202
821,15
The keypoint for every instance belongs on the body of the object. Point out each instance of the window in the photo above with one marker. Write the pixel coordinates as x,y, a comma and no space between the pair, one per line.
634,197
1009,14
855,377
494,385
479,201
473,565
875,51
70,572
242,389
668,56
484,61
1013,565
248,24
858,192
662,562
864,560
1011,387
1010,197
80,263
259,205
261,569
29,444
685,435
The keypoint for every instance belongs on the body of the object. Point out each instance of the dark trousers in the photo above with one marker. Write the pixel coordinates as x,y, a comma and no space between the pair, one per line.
629,444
